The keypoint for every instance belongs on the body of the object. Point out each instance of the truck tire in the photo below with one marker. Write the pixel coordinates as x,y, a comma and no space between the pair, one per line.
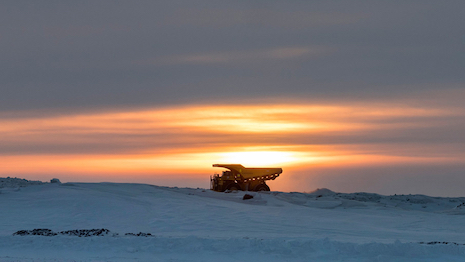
261,187
233,187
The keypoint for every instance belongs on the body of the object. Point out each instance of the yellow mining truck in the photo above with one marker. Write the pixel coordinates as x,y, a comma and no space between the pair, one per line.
239,177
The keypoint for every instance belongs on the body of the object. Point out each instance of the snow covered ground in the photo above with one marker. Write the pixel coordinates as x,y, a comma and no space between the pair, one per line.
200,225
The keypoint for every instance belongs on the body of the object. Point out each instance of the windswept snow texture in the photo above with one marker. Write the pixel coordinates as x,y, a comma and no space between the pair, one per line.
200,225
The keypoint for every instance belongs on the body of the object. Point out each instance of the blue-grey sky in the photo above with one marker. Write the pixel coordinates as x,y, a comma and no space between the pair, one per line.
97,54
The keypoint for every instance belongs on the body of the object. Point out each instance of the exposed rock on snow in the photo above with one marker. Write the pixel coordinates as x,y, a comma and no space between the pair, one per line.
140,234
35,232
76,232
247,196
86,232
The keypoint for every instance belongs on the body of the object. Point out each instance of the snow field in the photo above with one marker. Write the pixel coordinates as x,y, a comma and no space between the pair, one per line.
201,225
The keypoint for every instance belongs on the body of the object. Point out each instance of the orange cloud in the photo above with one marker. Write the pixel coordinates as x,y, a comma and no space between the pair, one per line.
188,139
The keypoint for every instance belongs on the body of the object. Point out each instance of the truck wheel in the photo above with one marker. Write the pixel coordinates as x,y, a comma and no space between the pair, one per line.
261,187
233,187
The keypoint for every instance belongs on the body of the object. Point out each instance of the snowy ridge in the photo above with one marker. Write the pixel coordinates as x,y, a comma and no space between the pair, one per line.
408,202
10,182
272,226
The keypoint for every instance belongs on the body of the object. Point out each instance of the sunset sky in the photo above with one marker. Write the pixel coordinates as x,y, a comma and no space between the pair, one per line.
347,95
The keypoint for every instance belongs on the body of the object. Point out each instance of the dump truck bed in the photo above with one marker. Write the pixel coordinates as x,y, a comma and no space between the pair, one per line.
251,173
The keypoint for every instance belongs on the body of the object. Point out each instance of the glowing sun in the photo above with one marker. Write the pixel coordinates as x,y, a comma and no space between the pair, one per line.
258,158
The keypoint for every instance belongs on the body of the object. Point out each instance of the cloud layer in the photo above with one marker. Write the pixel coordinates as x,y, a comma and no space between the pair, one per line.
186,140
105,55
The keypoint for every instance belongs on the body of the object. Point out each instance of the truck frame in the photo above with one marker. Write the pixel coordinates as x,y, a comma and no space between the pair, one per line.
239,177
